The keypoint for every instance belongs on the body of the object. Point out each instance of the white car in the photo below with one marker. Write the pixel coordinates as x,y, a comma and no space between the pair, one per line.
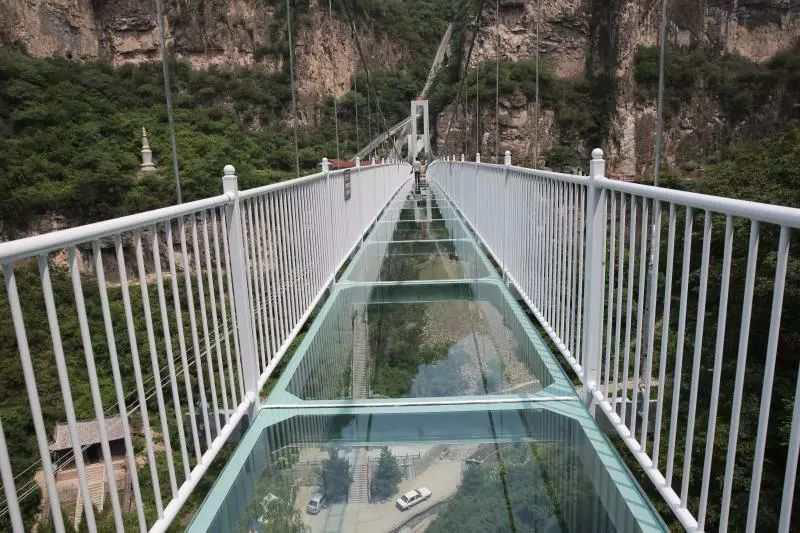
412,498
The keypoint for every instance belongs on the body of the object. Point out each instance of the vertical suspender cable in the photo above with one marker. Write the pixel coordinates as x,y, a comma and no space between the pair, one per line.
355,93
292,86
660,105
497,87
335,105
168,96
477,107
536,104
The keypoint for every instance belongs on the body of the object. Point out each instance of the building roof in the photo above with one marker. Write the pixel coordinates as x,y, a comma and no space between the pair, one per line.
88,433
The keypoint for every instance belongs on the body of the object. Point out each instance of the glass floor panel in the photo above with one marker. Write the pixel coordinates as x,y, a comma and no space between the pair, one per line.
413,203
508,468
419,213
409,230
418,261
426,340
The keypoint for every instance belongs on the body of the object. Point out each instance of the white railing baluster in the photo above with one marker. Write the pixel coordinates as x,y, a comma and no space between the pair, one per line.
722,317
198,367
698,351
769,375
637,361
741,363
176,400
666,315
66,392
182,340
224,311
678,374
238,356
620,284
151,340
201,297
214,319
137,372
9,489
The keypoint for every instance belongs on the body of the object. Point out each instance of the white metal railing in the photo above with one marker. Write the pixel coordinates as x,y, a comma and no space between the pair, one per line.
594,261
219,289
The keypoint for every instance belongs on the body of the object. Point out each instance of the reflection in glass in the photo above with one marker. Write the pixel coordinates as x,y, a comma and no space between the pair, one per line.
419,341
418,261
409,230
419,213
500,470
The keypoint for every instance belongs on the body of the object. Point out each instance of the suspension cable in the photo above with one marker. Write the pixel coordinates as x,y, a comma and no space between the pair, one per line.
168,97
355,95
335,105
292,86
477,107
536,104
461,91
497,85
660,105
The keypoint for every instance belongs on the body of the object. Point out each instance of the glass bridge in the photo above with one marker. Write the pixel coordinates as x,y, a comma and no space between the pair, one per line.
423,352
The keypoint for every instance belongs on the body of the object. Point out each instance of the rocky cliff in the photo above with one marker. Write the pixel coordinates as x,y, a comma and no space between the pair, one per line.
202,32
585,41
596,39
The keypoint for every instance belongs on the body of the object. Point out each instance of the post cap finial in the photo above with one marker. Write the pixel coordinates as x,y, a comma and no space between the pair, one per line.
229,170
597,153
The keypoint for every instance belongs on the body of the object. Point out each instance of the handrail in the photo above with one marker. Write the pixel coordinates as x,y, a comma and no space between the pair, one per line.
11,251
599,264
221,287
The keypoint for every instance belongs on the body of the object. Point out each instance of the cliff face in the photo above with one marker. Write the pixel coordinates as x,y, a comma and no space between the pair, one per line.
592,38
202,32
578,39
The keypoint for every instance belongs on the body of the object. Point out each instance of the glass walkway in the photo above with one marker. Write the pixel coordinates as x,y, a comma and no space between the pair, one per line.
421,371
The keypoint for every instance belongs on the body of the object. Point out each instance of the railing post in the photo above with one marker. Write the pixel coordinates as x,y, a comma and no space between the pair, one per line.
462,158
478,157
358,162
244,314
507,163
593,275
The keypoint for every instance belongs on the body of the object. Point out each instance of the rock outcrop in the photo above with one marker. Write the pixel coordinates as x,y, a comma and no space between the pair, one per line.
576,38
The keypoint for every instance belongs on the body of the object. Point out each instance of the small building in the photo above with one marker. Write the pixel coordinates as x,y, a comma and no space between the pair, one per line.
66,472
89,436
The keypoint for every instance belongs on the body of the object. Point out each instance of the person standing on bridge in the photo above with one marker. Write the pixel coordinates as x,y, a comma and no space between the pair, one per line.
417,170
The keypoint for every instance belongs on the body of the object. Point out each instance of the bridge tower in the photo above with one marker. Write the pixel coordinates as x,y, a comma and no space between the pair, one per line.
419,140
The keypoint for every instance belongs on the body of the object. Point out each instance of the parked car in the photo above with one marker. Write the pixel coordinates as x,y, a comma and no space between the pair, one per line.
316,503
412,498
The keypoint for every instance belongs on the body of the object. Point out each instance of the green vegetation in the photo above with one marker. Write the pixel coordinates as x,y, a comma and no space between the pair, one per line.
522,488
581,107
335,477
273,511
397,335
386,478
756,99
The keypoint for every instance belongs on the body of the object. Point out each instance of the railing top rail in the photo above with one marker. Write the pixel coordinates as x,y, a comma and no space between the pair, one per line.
15,250
272,187
761,212
774,214
549,174
11,251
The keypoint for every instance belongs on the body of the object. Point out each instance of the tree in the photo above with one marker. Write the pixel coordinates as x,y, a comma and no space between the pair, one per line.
387,476
335,477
